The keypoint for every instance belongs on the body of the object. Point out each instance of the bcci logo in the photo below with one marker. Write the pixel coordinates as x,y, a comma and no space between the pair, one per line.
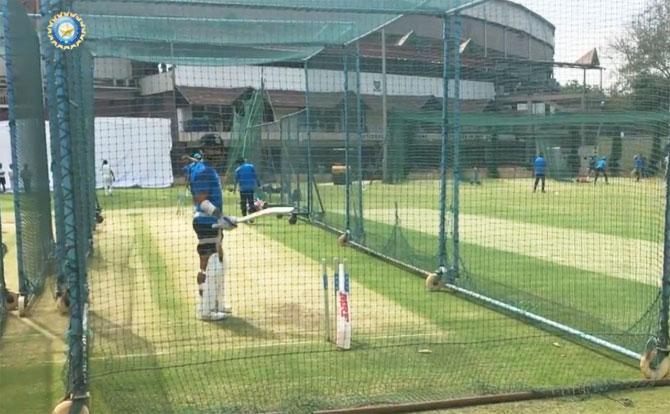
66,30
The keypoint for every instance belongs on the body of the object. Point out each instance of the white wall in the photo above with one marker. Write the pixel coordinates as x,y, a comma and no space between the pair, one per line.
158,83
291,79
138,150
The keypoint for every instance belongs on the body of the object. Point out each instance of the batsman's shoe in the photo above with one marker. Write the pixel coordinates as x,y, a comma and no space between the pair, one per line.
211,316
225,308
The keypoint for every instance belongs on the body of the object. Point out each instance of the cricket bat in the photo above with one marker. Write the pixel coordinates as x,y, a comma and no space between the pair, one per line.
343,337
266,212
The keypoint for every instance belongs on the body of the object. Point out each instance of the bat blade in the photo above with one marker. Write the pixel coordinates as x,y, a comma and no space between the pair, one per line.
343,339
267,212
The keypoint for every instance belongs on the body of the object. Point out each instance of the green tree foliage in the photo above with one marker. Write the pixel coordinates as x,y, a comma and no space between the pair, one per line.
645,71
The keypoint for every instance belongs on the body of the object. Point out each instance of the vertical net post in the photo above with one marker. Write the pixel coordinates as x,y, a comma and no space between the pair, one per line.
385,142
3,286
457,143
442,249
360,232
347,160
308,132
664,332
59,219
65,82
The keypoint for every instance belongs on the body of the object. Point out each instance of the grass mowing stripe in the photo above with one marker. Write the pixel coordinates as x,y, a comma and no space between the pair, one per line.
164,291
602,209
556,291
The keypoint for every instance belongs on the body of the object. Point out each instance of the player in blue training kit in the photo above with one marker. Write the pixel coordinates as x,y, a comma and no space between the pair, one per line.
638,162
247,180
540,167
601,168
205,187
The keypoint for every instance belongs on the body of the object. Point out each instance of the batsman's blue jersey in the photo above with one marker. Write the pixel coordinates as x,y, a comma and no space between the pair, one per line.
246,177
204,180
601,164
639,163
540,166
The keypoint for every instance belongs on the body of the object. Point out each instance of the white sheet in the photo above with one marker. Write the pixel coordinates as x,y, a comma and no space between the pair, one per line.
138,150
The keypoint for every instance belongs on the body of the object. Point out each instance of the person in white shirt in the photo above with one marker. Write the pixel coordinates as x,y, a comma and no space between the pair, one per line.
107,177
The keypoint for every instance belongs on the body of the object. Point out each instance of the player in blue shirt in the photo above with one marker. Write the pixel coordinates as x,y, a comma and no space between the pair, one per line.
540,167
601,168
638,162
247,181
205,187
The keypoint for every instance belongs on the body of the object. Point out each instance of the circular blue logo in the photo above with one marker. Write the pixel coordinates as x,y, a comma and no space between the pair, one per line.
66,30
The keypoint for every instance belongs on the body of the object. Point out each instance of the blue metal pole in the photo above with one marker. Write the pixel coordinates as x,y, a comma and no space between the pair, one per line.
347,178
360,231
457,146
442,249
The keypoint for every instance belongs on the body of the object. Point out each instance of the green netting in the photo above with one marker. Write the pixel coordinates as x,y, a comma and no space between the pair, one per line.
349,124
188,54
3,285
437,7
245,135
29,169
218,32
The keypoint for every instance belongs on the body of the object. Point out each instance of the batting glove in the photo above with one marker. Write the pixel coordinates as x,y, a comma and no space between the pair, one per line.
226,223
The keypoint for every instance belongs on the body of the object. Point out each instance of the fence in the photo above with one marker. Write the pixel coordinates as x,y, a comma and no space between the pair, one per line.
413,138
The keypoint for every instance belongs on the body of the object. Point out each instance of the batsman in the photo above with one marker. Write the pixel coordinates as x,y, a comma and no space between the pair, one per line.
208,224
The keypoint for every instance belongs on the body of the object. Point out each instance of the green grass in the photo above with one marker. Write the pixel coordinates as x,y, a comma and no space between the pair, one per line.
474,350
622,208
483,352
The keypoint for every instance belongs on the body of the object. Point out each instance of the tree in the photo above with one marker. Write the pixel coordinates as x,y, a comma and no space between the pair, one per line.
645,71
646,45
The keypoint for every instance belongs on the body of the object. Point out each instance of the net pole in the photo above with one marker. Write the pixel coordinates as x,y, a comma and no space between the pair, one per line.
457,143
664,331
442,249
18,198
59,219
359,130
385,143
345,126
3,286
308,131
76,385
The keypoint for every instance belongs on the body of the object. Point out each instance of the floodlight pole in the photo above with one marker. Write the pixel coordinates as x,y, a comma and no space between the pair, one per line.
442,249
457,145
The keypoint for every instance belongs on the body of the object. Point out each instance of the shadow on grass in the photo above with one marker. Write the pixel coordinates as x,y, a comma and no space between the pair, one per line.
125,371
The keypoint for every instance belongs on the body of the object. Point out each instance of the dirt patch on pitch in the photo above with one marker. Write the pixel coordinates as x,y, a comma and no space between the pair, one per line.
629,259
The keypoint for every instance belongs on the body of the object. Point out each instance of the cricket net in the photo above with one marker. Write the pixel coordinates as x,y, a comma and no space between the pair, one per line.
450,140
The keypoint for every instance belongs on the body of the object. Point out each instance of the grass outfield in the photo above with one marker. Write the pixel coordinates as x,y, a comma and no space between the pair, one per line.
150,354
623,208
